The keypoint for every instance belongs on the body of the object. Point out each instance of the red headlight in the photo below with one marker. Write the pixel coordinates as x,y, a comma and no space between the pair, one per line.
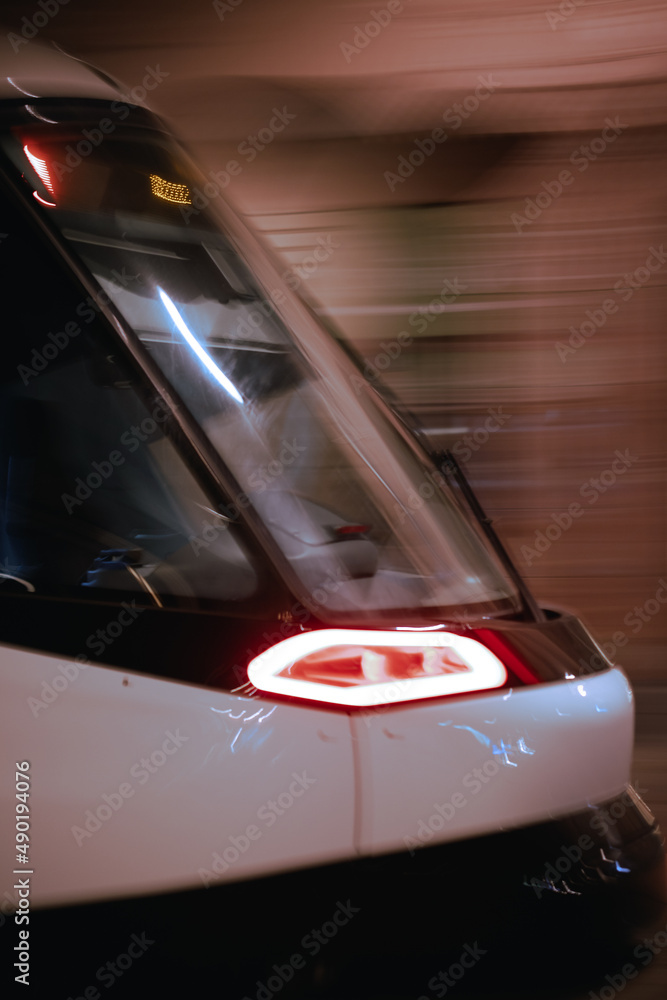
362,667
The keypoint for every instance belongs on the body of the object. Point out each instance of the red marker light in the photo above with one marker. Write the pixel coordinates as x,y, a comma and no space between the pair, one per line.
358,667
49,204
41,169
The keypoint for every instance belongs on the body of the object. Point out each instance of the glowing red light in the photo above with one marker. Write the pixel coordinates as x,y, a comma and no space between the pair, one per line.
49,204
362,667
41,169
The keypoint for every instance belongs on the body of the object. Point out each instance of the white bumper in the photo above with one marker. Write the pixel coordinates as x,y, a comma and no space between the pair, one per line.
437,772
139,784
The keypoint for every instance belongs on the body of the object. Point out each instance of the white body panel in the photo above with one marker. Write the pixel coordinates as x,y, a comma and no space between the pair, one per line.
543,752
91,740
218,760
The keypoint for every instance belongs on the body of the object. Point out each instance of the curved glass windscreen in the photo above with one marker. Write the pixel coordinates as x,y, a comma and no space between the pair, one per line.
360,525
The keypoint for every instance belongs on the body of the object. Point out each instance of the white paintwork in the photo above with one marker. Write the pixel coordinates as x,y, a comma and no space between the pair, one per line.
88,739
37,70
240,753
553,748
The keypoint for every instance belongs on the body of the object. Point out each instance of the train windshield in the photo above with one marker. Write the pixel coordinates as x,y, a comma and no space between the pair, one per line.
354,511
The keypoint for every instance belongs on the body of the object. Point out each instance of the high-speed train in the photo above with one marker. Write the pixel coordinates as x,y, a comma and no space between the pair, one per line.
249,625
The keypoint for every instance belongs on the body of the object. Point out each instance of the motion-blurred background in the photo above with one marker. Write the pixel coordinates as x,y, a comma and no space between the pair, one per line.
474,192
